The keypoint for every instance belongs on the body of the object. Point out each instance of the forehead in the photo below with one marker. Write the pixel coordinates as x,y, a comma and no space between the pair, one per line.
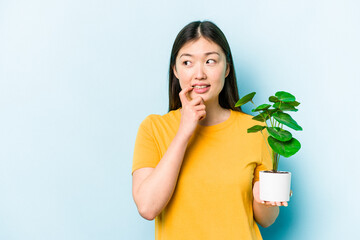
200,47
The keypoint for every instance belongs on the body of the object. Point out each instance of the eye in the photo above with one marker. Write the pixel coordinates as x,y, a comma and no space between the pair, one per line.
211,61
186,63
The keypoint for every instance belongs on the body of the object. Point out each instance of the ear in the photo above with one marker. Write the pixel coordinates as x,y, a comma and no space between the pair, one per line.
227,70
174,70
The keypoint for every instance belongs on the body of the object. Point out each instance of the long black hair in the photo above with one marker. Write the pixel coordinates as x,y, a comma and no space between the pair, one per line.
191,32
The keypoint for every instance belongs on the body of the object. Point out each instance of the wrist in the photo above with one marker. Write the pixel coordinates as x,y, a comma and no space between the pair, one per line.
182,137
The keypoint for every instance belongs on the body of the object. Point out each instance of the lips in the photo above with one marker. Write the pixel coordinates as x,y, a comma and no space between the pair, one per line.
201,88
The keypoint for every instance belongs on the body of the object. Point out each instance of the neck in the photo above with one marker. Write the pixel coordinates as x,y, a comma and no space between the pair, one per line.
215,114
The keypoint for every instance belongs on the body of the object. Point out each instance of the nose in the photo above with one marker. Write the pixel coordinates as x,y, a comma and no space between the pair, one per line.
200,72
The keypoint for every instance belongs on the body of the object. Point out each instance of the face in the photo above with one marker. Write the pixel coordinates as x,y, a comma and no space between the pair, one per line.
202,65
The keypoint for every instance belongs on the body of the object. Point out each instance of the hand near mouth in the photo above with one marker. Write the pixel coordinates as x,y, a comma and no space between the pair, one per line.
192,111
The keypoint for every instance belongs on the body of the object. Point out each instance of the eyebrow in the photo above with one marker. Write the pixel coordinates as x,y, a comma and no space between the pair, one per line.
206,54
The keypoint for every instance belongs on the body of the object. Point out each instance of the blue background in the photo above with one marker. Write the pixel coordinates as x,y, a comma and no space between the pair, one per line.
78,77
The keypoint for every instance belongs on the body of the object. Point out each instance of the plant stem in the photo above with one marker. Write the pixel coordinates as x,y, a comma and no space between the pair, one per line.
271,122
267,146
253,103
276,162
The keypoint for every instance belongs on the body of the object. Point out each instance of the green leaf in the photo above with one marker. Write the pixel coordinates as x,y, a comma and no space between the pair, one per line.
245,99
285,149
261,117
261,107
285,96
255,128
295,103
279,134
287,120
270,112
283,106
273,99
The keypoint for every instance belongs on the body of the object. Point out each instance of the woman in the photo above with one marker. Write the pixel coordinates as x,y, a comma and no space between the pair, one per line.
195,169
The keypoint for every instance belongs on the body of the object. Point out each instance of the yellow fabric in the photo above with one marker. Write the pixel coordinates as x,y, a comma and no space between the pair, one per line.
213,196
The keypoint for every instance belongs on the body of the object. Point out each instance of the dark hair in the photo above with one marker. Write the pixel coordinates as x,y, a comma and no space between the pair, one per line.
191,32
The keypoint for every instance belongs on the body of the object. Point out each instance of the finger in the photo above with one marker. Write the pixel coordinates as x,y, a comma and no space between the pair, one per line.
202,115
197,101
183,95
285,204
200,107
202,101
278,203
267,204
272,203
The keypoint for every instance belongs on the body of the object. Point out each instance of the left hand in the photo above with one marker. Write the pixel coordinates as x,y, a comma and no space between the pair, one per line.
256,194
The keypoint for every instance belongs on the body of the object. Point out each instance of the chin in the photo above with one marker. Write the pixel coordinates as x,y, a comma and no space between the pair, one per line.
194,95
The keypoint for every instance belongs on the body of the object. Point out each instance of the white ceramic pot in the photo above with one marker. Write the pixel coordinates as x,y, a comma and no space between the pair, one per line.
275,186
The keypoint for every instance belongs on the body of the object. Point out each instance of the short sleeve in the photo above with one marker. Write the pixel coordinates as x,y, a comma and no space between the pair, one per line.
266,162
146,152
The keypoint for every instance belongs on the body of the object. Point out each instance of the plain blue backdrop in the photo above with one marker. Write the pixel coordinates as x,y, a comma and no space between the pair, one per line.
78,77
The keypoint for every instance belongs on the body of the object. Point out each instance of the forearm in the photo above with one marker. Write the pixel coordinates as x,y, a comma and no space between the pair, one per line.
157,189
265,215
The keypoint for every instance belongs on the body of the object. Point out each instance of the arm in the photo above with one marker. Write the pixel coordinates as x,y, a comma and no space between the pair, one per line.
152,193
154,187
265,213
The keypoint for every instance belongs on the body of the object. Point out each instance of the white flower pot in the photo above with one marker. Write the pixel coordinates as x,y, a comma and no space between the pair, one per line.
275,186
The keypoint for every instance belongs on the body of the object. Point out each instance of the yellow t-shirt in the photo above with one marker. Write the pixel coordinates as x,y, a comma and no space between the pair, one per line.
213,196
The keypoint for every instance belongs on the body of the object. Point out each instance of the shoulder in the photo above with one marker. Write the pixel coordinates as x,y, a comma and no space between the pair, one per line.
246,119
243,122
157,119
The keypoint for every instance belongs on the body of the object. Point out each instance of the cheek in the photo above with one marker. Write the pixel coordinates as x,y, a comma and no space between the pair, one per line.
183,84
184,78
221,80
220,86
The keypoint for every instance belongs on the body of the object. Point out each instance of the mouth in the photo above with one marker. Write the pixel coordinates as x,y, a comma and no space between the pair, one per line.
199,89
200,86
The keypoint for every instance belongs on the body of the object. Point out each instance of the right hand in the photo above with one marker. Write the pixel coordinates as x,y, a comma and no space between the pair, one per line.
193,110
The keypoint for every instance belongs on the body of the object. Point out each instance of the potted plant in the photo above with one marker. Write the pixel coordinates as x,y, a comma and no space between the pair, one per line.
274,184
